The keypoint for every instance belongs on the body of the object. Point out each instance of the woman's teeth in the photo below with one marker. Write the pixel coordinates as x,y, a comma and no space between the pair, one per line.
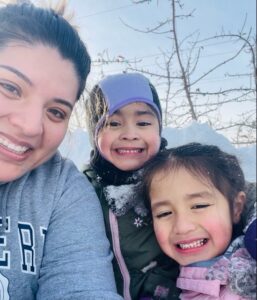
12,147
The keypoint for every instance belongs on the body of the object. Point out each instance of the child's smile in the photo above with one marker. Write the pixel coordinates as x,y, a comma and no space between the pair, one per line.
187,246
129,151
192,218
131,137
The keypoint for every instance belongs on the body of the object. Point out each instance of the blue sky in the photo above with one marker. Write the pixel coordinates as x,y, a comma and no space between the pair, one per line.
101,26
102,29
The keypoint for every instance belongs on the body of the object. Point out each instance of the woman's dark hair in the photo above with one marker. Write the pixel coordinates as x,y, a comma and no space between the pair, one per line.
207,162
30,24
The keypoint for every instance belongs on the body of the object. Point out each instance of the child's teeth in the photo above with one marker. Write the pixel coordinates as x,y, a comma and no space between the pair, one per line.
128,151
194,244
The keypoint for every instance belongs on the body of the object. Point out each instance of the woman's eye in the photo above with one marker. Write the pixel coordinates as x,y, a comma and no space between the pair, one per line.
163,214
10,89
57,114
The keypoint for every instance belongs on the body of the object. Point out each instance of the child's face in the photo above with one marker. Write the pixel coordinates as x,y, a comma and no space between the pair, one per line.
131,136
192,219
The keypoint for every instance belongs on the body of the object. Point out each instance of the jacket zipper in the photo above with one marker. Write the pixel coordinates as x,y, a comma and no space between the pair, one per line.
118,255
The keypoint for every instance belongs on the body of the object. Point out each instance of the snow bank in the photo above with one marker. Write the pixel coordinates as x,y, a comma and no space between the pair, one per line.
76,145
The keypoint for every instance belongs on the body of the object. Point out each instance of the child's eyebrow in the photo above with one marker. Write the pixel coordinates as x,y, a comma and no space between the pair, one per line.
188,197
159,203
202,194
137,112
145,112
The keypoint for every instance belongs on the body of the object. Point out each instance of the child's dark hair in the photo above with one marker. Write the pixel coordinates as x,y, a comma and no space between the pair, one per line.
27,23
208,162
96,107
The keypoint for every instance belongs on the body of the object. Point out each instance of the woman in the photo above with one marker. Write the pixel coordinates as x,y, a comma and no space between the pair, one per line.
53,243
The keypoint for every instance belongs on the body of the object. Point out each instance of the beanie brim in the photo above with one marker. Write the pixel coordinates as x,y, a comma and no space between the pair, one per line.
123,89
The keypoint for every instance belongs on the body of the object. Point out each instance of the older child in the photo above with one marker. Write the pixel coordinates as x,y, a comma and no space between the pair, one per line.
124,123
196,194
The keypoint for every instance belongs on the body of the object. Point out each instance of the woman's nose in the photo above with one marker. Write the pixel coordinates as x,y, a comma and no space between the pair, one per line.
29,120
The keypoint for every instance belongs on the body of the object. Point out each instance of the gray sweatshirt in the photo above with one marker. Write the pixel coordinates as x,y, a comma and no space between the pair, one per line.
52,237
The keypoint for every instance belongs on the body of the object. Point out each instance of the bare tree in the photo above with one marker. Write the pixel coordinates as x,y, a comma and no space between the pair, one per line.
191,101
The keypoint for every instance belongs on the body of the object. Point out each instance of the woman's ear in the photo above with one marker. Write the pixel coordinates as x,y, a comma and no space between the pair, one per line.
238,206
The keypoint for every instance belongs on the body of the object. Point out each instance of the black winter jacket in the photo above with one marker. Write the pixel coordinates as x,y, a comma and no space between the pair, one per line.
141,269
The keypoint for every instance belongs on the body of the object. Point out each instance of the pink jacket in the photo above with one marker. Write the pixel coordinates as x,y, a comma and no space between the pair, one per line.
227,278
194,285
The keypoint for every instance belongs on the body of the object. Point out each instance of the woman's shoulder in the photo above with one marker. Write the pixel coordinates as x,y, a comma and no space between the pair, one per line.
60,178
56,173
55,168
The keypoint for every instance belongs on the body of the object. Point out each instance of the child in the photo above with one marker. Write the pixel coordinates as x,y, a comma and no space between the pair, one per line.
124,123
196,194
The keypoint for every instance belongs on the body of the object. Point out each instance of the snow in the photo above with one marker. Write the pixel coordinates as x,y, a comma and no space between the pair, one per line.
76,145
121,195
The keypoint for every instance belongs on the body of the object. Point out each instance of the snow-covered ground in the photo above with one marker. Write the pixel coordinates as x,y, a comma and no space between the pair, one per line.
76,145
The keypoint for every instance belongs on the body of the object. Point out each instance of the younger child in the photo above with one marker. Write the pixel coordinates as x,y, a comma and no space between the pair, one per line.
124,123
196,194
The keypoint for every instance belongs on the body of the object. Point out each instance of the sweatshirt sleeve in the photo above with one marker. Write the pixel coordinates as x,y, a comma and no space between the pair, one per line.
76,262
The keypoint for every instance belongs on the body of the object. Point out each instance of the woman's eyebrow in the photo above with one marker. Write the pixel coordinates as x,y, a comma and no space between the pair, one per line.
18,73
26,79
64,102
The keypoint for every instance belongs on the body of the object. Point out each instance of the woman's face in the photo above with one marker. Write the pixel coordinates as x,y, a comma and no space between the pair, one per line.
37,93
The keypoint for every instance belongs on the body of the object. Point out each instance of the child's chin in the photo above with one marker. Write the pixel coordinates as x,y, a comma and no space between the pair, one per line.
128,167
188,262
